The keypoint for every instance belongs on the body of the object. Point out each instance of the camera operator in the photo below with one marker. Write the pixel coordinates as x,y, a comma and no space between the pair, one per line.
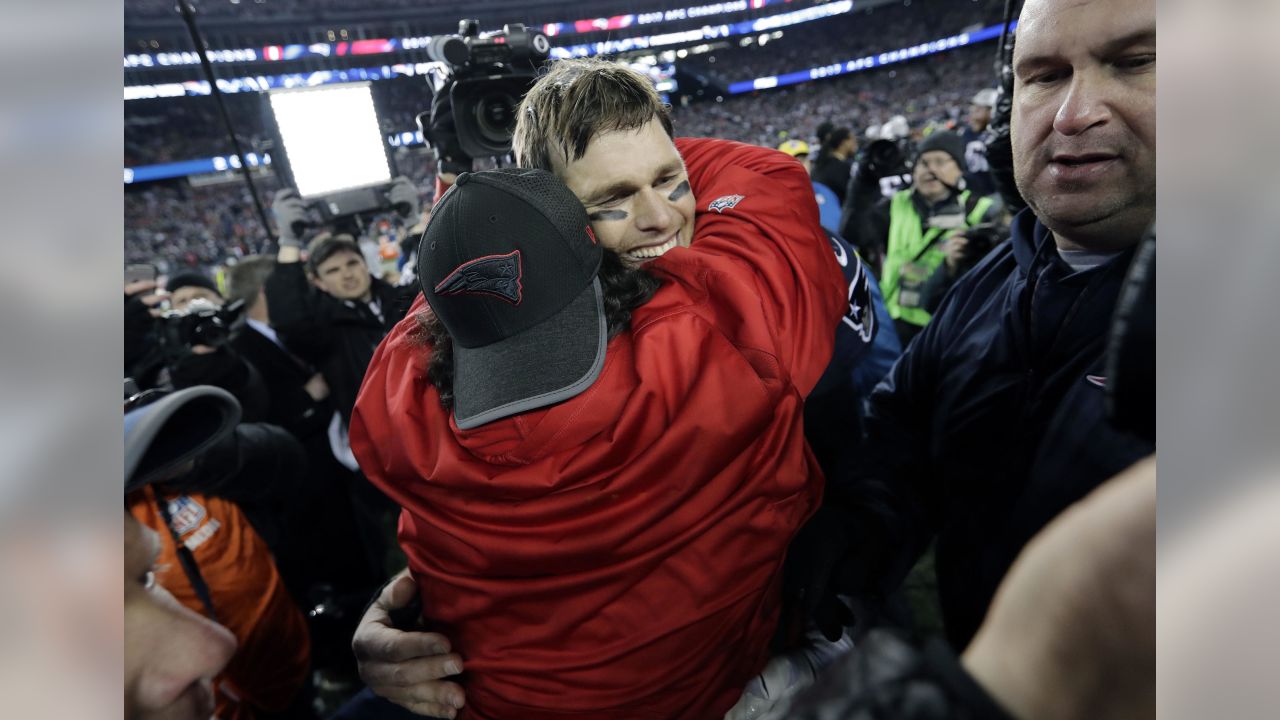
188,344
879,170
192,344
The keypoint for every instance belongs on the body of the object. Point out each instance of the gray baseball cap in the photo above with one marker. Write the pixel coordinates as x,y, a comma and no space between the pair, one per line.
161,436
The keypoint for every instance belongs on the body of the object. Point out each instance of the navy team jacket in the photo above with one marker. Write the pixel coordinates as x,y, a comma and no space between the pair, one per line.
990,424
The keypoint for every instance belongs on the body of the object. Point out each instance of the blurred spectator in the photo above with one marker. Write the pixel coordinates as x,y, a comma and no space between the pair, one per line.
336,325
297,395
797,149
323,542
210,558
977,169
833,165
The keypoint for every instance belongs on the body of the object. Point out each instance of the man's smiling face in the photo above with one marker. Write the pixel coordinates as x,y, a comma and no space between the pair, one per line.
636,191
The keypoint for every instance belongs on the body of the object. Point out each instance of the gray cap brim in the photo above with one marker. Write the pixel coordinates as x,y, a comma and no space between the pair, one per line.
544,365
159,438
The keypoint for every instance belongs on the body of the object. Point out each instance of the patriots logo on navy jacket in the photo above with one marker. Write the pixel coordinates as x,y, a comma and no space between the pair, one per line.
496,275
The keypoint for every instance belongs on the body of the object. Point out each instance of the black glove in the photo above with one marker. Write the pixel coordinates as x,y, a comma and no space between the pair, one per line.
808,593
889,679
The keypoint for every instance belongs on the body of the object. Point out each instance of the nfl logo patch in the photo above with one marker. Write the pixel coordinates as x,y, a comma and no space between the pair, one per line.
187,514
727,202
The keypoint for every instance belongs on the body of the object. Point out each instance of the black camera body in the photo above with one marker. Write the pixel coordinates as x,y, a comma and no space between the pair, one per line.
200,323
983,237
484,79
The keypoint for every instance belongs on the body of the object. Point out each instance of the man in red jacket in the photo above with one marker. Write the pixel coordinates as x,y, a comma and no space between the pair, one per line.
600,480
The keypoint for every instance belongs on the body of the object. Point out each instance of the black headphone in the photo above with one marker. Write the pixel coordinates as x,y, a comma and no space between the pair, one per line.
996,138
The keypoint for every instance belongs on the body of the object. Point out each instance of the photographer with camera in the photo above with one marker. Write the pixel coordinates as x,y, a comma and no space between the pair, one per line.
963,250
193,343
188,343
913,225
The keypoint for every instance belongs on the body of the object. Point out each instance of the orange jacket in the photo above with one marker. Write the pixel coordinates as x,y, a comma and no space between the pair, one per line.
273,646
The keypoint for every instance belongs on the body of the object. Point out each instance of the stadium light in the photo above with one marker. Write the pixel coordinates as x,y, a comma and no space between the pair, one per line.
331,137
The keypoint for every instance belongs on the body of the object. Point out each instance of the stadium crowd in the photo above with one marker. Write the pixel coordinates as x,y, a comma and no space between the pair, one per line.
362,491
930,90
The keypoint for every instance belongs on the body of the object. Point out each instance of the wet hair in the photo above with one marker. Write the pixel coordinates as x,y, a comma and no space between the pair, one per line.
624,289
577,100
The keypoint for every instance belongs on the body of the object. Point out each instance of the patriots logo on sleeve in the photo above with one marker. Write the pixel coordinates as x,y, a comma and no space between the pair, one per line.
496,275
726,202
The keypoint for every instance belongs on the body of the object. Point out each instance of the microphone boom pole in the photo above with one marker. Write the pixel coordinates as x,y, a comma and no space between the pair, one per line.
189,17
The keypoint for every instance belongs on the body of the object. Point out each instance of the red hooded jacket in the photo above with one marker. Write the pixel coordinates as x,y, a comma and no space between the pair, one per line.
618,555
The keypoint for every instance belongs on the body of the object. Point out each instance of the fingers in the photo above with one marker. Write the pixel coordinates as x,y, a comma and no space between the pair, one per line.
410,673
406,668
380,643
399,593
138,286
438,699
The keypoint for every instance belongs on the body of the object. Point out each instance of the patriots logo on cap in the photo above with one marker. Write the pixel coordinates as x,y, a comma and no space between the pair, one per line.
727,202
496,275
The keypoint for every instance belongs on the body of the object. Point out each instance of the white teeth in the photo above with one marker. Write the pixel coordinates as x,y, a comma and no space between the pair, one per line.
653,251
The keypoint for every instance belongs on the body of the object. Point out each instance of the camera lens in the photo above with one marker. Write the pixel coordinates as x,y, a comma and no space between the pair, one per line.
496,117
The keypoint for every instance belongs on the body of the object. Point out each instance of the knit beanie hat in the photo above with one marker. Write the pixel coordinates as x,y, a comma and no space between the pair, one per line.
946,141
190,279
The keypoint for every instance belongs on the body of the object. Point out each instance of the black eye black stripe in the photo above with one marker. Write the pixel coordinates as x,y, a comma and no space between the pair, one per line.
681,190
608,215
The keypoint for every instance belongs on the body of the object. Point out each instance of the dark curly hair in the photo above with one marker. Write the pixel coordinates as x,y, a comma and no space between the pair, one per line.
624,289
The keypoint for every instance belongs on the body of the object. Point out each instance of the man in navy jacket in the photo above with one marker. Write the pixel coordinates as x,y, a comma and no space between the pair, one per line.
994,419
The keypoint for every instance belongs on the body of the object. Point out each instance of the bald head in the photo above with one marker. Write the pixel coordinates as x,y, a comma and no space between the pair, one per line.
1084,119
